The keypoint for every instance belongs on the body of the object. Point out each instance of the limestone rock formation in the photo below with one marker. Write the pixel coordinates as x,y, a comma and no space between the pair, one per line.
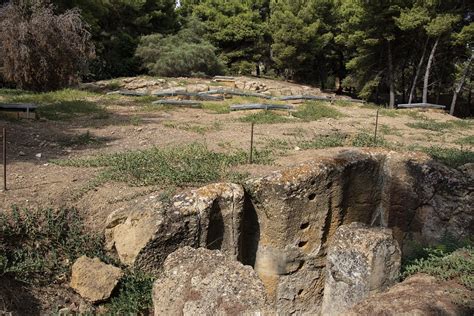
295,212
93,279
283,223
208,217
361,261
205,282
418,295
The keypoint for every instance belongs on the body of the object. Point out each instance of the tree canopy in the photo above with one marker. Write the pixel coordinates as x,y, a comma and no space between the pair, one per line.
385,51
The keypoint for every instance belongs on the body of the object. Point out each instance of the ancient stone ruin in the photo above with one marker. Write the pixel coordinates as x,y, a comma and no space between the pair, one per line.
296,228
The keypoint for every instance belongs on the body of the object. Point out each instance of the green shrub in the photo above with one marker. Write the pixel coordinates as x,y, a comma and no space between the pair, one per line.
325,141
435,126
265,117
312,111
133,295
430,125
63,104
218,108
39,246
367,140
182,54
81,140
452,157
446,266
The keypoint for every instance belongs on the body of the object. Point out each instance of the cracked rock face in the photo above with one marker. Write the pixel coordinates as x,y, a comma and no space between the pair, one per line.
205,282
361,261
208,217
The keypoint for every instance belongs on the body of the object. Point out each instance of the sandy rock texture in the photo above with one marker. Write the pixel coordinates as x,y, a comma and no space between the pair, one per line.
361,261
206,282
93,279
208,217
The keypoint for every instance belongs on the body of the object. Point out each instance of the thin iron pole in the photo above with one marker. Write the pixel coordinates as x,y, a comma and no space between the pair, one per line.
251,144
4,159
376,127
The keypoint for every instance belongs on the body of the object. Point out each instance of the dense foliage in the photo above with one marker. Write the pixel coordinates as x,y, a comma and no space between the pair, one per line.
385,51
183,54
41,50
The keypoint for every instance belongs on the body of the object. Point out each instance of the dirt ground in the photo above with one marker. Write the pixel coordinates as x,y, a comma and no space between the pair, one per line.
35,182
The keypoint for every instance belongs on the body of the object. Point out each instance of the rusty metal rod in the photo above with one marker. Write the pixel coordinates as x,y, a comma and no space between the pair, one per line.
376,127
4,159
251,144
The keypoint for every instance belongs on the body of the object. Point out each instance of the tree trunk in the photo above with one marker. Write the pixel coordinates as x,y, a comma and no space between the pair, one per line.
458,89
390,78
427,72
417,74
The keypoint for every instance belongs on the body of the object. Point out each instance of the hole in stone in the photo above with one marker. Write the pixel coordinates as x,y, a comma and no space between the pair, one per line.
312,196
302,243
313,182
300,292
304,225
215,235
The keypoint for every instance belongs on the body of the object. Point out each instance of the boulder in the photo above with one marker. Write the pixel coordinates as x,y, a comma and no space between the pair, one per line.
207,217
93,279
418,295
361,261
205,282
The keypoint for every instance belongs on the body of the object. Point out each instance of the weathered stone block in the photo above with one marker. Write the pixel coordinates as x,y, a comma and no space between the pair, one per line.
207,217
361,261
205,282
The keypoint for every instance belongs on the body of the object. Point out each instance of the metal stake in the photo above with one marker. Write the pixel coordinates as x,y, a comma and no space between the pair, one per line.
4,159
376,127
251,144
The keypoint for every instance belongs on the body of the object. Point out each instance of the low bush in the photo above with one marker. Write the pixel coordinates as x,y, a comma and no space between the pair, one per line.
312,111
325,141
265,117
367,140
133,295
445,265
452,157
435,126
39,246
